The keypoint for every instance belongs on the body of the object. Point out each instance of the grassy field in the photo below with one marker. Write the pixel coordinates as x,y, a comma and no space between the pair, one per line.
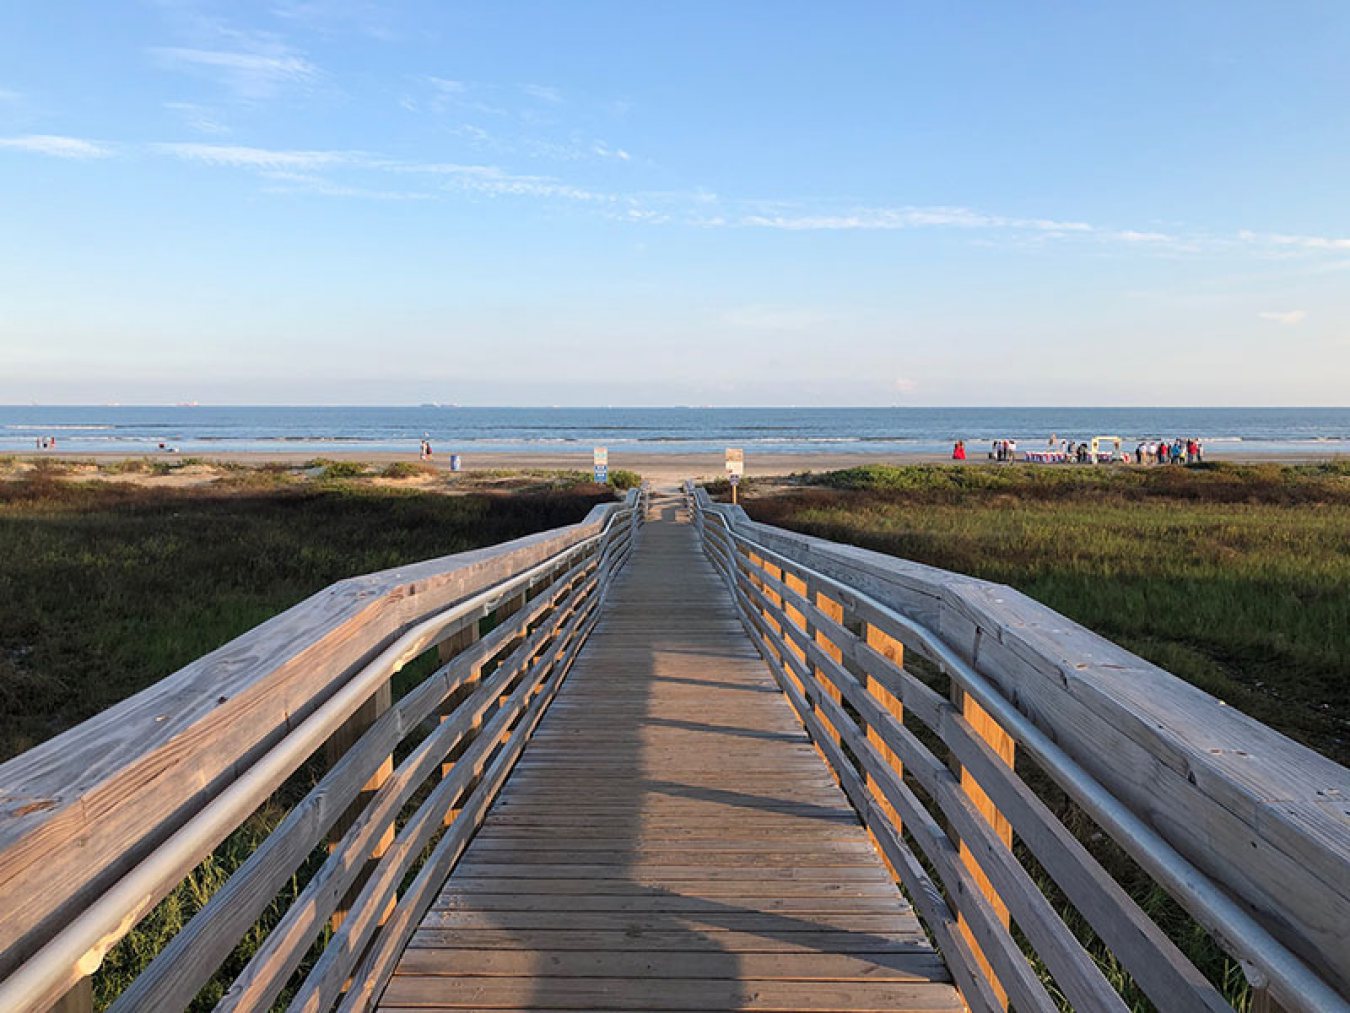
1233,578
109,586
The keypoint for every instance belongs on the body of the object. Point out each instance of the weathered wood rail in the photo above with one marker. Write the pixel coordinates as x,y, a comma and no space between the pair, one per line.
102,822
1246,830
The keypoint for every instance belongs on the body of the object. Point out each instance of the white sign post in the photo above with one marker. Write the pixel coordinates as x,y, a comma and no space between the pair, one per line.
600,458
735,469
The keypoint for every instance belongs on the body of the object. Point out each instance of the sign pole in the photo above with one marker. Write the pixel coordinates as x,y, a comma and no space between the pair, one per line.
735,469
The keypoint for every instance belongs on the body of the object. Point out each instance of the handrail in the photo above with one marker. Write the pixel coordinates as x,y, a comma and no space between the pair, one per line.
542,603
816,630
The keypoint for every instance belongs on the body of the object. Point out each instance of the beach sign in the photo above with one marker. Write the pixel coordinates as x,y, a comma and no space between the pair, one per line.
735,462
600,459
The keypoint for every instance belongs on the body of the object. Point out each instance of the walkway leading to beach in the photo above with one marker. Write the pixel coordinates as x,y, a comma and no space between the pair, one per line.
670,839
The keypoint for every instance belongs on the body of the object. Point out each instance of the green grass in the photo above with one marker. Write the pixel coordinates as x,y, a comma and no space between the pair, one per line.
1231,578
407,469
108,586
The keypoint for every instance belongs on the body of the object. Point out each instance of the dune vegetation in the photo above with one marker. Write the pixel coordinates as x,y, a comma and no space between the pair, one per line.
1231,577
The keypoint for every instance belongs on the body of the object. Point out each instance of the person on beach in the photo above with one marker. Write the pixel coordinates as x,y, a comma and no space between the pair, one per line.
1012,450
959,451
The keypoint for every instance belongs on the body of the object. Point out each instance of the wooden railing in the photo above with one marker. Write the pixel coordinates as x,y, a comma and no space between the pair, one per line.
1246,830
99,824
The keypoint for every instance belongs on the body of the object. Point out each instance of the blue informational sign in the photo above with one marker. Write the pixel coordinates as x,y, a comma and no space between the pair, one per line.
601,474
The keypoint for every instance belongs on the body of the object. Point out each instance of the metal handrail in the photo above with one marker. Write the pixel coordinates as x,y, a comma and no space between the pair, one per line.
1263,957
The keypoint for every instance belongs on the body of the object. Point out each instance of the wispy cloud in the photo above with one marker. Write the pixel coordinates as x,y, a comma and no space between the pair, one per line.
9,97
1296,242
694,207
446,86
363,17
543,93
198,118
907,218
1134,236
256,73
57,146
1285,318
489,179
307,183
239,156
603,150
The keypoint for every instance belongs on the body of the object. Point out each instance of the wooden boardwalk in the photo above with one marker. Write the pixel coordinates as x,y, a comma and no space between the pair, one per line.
670,840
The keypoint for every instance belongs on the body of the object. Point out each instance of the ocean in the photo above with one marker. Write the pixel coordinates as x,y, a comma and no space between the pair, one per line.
865,431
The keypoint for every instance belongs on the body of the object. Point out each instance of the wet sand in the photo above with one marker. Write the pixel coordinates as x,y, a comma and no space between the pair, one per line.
658,467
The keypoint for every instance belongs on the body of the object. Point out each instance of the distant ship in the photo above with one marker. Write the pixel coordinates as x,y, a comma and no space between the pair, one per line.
435,404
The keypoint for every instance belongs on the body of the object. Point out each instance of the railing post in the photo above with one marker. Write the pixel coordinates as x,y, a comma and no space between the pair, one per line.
334,749
894,652
1002,744
772,571
835,611
464,638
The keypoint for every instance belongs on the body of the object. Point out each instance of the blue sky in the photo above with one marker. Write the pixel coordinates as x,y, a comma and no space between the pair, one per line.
300,201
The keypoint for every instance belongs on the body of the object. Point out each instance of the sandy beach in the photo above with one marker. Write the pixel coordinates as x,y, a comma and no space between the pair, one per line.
658,467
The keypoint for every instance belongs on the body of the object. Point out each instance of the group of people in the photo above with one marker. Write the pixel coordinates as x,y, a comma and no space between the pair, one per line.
46,442
1178,451
425,453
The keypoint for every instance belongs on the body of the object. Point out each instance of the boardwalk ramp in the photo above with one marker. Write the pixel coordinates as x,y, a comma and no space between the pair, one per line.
670,839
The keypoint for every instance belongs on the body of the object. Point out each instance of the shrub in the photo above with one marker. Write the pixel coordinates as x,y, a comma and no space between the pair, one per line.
343,469
406,469
621,479
128,466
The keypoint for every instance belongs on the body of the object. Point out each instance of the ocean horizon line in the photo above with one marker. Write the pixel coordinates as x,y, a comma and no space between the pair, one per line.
679,407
